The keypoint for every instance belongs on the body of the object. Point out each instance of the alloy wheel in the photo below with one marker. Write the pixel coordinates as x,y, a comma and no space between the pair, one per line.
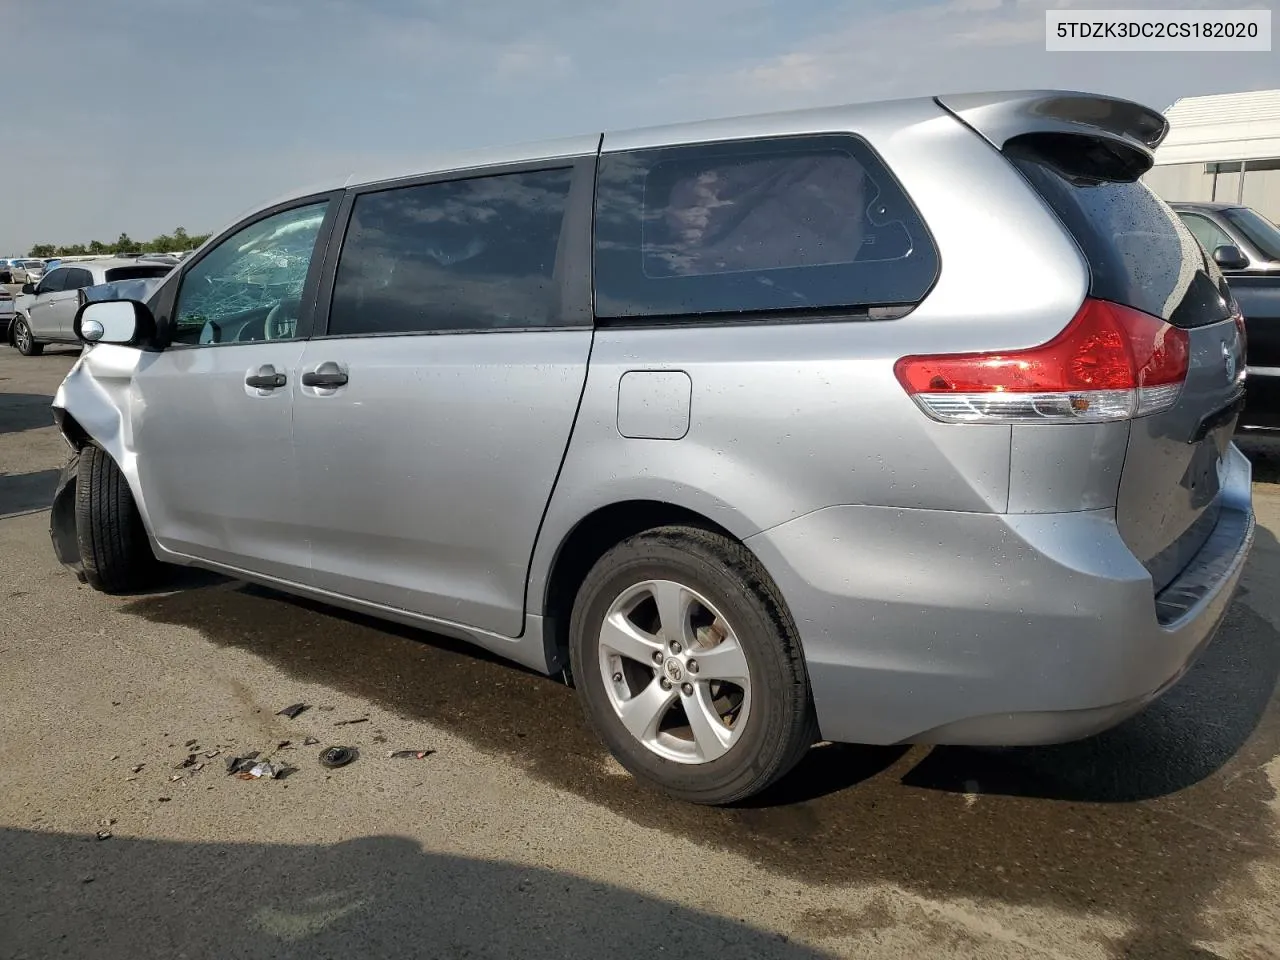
675,672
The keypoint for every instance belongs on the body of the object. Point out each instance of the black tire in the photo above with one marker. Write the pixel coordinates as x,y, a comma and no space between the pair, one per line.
29,347
781,725
114,548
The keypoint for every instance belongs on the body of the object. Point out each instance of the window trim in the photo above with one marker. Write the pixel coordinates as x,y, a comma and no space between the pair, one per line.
165,300
572,271
868,312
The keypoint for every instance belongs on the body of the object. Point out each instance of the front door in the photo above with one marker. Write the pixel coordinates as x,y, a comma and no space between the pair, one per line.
214,429
45,309
433,415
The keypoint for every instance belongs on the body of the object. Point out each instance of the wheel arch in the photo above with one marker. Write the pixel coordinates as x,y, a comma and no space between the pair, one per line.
585,543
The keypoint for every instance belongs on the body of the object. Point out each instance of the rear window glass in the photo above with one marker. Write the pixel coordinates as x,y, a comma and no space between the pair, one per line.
1140,253
755,226
136,273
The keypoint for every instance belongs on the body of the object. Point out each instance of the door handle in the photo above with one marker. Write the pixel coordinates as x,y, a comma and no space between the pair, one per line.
326,375
266,378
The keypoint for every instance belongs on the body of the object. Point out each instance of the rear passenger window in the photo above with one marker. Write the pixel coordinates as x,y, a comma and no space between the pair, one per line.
475,254
755,226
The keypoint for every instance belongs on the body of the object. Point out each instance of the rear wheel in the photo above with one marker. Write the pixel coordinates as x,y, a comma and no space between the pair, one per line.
24,341
114,548
689,667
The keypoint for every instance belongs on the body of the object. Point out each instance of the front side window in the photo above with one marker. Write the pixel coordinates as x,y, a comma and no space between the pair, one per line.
1210,235
755,226
475,254
1262,233
249,287
55,282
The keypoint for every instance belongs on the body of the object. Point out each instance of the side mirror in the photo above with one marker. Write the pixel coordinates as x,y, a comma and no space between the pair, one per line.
28,287
1229,257
125,322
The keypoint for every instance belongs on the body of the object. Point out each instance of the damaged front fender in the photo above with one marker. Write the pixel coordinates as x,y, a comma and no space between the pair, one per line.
62,520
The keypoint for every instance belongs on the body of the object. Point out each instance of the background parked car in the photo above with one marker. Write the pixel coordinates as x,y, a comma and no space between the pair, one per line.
47,310
27,271
6,313
1226,224
1246,246
6,269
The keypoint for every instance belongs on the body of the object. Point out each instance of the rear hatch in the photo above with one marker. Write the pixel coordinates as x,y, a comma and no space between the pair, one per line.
1083,155
1142,256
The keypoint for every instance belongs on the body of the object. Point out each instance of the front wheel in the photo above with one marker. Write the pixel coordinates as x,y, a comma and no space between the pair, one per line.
114,550
24,341
689,666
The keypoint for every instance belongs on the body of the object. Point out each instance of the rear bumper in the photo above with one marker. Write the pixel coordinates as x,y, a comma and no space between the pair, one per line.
983,629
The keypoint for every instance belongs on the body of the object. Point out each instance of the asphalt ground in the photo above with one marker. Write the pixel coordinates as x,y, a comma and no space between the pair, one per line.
519,837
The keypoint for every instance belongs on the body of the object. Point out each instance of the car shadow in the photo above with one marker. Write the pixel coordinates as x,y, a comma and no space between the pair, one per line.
1025,826
26,492
380,896
25,411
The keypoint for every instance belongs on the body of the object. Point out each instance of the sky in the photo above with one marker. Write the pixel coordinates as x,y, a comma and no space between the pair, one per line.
143,115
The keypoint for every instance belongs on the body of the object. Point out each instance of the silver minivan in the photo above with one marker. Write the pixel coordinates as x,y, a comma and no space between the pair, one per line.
902,422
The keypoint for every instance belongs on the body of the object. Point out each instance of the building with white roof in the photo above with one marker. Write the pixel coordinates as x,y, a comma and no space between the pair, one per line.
1223,148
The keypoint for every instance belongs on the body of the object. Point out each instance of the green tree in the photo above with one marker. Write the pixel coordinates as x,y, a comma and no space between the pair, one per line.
180,240
98,247
42,250
161,244
124,243
74,250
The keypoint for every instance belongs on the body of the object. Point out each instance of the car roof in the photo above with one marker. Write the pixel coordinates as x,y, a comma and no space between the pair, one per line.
814,120
111,263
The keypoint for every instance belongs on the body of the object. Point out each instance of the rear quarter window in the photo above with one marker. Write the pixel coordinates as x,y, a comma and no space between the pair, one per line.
762,226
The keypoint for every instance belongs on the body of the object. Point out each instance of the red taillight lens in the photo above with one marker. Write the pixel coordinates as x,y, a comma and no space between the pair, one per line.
1111,362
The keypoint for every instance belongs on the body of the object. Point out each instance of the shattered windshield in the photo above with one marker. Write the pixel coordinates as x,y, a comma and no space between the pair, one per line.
262,266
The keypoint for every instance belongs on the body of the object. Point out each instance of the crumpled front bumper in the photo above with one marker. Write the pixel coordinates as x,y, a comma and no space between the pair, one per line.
62,519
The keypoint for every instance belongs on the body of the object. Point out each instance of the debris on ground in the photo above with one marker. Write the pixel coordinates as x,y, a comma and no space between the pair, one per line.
327,708
164,799
334,757
241,763
104,834
191,743
260,770
130,779
198,766
284,744
175,778
379,738
190,761
137,767
347,723
410,754
292,711
115,756
107,822
310,742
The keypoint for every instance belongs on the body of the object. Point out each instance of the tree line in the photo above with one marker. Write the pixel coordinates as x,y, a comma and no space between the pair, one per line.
177,242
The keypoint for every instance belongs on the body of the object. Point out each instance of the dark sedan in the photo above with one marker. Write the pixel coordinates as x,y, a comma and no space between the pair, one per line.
1246,246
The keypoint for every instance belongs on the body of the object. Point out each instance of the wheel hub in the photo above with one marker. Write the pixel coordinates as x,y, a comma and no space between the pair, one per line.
674,671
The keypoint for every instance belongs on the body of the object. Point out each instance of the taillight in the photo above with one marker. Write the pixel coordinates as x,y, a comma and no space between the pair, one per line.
1110,363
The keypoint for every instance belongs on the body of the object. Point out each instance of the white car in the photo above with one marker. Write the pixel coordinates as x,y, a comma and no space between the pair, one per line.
47,310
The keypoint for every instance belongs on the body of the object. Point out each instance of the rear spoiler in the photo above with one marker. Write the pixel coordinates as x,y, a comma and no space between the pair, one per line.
1123,125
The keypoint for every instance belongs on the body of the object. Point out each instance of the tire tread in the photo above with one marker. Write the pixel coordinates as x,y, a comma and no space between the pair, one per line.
114,548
